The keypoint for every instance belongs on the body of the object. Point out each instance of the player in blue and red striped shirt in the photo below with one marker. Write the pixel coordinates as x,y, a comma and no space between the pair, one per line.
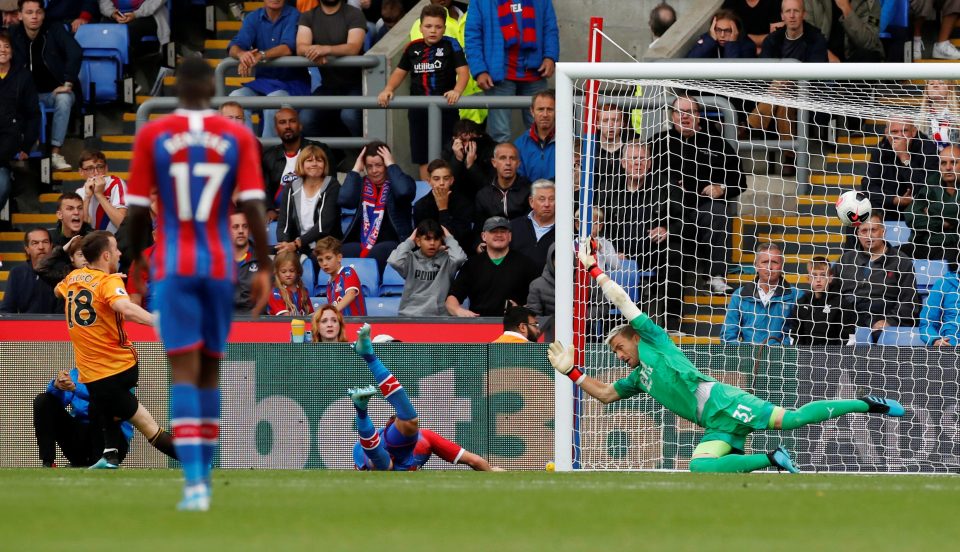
343,290
402,445
199,163
437,67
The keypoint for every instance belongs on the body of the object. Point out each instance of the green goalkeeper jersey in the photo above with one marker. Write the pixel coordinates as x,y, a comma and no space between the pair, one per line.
665,373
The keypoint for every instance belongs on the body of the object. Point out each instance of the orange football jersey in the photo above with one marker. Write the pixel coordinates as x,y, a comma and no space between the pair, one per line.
100,346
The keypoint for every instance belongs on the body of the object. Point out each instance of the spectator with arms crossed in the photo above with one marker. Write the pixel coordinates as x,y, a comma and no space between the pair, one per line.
727,413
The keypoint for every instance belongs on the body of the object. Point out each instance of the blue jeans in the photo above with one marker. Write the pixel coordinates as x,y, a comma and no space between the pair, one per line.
266,120
4,186
62,105
498,122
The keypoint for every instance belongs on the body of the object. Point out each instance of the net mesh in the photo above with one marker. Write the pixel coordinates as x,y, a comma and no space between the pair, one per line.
700,193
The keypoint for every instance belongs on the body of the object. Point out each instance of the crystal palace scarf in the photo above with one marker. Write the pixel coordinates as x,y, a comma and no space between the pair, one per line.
373,206
508,24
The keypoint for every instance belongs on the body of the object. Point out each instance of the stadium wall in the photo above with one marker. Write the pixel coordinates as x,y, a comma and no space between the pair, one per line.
284,405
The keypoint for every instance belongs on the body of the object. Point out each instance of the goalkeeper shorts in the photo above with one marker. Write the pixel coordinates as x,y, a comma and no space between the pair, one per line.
730,414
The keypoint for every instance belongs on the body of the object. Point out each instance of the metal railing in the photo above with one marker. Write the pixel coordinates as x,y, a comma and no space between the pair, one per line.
433,105
228,64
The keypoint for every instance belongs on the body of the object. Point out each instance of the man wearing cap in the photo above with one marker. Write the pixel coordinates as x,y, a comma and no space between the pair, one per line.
494,279
11,14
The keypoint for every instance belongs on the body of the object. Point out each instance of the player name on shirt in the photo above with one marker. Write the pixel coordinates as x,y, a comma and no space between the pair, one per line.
183,140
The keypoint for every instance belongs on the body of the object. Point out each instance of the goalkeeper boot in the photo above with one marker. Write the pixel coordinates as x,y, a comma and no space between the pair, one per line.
196,498
780,459
880,405
363,346
361,395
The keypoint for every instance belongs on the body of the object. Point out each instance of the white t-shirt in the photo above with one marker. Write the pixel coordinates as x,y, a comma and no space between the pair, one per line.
288,172
116,190
307,206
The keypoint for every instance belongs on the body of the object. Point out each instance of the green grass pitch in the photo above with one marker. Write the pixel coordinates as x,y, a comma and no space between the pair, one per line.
133,510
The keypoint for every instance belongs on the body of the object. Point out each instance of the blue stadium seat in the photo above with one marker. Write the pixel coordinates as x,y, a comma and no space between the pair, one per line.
903,336
628,276
318,302
320,285
369,275
383,306
309,278
863,335
896,232
422,189
272,234
928,272
346,217
105,54
392,283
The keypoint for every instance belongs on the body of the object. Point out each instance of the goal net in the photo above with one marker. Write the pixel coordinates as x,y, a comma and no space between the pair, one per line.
711,190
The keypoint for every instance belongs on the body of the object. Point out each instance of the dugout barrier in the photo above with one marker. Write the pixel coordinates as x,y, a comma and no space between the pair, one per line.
284,405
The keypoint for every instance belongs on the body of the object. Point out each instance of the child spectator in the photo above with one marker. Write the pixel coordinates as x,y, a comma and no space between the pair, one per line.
289,296
819,318
439,68
343,290
428,269
327,325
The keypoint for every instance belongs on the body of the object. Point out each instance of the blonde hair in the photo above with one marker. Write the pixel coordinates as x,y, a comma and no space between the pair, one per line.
926,108
303,304
308,152
315,323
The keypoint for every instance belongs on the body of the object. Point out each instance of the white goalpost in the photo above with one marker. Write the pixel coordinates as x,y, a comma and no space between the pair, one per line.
694,175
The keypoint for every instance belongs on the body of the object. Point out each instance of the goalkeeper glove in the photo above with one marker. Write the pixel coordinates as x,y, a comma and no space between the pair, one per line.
588,258
562,360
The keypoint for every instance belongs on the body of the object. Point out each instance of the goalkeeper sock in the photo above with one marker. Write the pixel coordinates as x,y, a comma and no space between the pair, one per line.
815,412
163,441
391,389
731,463
209,426
370,441
185,422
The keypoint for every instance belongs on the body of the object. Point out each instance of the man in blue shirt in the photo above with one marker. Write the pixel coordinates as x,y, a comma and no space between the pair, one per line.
537,148
267,33
80,441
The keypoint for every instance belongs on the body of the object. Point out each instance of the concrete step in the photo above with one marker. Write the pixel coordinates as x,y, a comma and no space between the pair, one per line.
802,238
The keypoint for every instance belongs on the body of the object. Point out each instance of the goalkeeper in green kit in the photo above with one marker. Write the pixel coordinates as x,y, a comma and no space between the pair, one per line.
727,413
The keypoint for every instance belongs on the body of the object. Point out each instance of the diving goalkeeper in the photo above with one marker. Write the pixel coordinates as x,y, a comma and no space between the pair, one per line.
727,413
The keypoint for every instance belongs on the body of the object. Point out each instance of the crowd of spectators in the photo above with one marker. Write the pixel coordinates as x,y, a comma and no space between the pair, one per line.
481,240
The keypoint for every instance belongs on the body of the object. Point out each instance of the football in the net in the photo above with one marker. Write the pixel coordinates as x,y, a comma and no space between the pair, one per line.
853,207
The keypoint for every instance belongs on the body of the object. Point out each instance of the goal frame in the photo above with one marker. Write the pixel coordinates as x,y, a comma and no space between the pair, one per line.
567,73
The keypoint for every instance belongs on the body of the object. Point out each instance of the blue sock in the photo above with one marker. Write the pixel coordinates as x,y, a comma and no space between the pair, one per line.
372,445
391,389
185,422
209,426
